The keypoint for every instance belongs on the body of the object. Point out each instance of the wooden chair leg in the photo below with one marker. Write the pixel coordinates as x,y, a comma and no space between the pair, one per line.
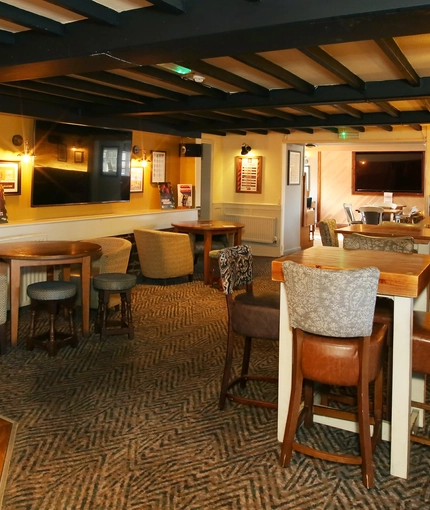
227,370
245,361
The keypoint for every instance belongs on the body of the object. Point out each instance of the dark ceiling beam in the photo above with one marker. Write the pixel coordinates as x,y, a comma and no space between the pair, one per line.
7,37
260,131
30,20
267,26
214,116
311,111
392,90
332,130
92,10
360,129
417,127
244,114
266,66
396,56
282,131
309,131
387,108
226,77
170,6
275,112
386,127
236,132
49,111
39,96
63,92
325,60
345,108
426,103
179,81
116,80
93,89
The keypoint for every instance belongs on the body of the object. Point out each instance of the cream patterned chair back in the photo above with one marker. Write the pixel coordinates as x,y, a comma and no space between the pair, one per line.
327,232
362,242
235,265
338,303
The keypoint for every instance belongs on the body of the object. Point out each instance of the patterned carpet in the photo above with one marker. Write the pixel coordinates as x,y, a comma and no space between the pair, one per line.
134,424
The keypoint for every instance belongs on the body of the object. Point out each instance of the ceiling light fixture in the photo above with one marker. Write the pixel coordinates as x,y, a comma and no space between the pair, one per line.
245,149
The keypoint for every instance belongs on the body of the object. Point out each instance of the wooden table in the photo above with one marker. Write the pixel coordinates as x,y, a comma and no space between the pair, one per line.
209,228
403,277
419,231
48,253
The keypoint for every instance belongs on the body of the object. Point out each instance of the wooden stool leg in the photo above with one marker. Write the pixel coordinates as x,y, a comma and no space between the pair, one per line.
129,315
30,338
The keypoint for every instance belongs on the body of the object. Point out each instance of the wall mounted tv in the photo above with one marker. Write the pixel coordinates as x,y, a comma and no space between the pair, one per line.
397,172
80,165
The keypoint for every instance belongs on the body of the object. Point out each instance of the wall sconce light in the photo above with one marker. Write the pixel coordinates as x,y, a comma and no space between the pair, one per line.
245,149
136,150
26,154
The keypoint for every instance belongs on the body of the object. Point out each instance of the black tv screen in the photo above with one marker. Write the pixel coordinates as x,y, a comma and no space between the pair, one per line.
80,165
397,172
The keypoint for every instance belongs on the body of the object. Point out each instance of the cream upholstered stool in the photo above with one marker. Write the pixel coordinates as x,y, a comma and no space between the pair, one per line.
114,283
51,295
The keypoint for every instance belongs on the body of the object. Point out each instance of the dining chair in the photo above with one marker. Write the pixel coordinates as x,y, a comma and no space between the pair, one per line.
349,213
251,314
327,232
335,342
420,364
384,309
371,215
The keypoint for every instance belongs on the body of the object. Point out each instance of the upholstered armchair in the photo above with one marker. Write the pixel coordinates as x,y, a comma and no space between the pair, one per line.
114,259
327,232
164,254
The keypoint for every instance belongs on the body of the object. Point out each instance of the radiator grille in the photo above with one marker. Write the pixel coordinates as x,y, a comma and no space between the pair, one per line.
258,229
28,274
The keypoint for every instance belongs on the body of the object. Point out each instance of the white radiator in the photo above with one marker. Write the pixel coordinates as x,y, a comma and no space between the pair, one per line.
28,274
258,229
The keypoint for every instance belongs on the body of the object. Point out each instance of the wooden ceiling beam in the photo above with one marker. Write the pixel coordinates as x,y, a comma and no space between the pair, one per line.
396,56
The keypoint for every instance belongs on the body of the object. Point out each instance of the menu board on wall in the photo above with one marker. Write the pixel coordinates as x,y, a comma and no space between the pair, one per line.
248,174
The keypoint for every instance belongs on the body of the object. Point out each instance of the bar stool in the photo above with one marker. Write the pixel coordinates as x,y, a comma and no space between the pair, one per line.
114,283
420,363
51,295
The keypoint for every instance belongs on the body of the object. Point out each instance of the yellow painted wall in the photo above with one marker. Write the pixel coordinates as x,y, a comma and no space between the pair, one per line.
19,206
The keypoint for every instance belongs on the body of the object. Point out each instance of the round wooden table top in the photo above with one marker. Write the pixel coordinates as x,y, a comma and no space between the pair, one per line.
208,225
49,250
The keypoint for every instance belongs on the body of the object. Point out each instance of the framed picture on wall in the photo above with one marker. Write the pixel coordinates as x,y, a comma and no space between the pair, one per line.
294,167
248,174
136,180
158,173
10,177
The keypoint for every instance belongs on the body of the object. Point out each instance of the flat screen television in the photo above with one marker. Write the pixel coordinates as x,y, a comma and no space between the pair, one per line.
80,165
397,172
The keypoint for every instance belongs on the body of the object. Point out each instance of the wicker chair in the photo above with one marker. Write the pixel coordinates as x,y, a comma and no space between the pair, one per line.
164,255
327,232
114,259
335,342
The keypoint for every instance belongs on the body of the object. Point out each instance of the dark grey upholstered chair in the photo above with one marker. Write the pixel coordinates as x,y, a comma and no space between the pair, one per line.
371,215
384,308
51,295
3,313
251,315
327,232
108,284
335,342
350,216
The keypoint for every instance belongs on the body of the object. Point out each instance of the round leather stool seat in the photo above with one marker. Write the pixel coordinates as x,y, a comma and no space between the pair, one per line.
114,281
50,295
49,291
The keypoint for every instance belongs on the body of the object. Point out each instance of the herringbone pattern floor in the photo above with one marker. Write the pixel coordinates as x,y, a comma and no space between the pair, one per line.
134,424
